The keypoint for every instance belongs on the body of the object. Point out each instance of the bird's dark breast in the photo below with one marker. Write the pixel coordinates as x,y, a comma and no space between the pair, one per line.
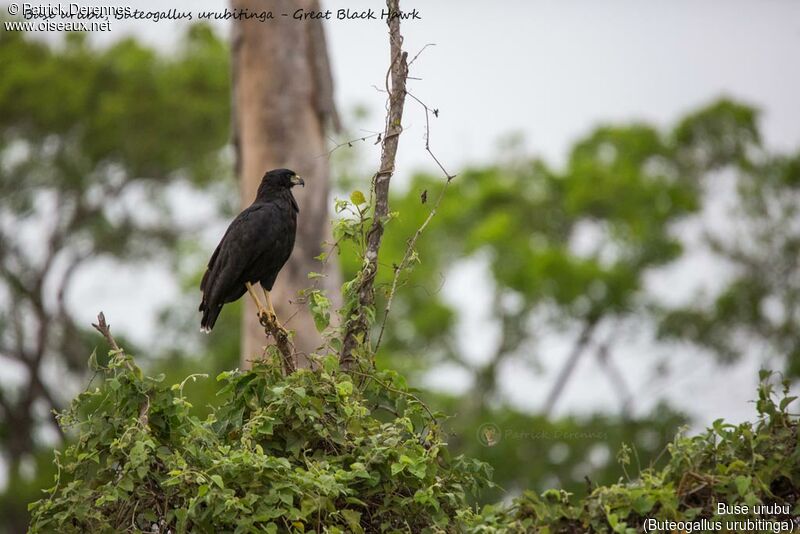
255,247
266,266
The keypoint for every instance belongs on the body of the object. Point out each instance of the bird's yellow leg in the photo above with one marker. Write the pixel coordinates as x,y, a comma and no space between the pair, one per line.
269,305
261,309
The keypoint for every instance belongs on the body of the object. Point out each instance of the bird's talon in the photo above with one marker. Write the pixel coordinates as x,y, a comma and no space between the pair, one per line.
267,318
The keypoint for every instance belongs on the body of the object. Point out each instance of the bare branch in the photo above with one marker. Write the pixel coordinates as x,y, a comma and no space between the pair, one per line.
105,329
413,241
420,53
357,329
435,112
407,259
615,376
349,142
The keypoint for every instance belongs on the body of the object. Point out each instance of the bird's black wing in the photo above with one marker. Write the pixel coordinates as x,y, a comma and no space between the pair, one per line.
249,238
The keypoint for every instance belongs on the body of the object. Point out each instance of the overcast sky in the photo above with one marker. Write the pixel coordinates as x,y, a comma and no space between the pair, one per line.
549,71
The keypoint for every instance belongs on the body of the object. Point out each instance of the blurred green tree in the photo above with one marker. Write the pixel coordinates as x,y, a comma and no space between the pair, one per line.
90,140
568,251
572,253
758,309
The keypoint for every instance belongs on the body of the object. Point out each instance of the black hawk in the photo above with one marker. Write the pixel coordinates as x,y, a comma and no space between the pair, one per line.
254,248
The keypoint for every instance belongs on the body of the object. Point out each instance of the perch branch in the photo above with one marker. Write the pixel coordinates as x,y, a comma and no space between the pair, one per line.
282,342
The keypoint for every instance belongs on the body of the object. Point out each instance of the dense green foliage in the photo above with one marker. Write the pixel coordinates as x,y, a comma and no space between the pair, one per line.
320,452
747,464
310,452
92,143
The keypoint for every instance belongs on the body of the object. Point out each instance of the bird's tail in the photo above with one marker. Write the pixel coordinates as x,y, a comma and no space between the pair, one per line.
210,314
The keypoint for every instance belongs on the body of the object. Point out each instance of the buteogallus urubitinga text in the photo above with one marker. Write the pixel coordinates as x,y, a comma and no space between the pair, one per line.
254,248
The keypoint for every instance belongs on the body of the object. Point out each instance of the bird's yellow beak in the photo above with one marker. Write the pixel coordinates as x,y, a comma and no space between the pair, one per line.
296,180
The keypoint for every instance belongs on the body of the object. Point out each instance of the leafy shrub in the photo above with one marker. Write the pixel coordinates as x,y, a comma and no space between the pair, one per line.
314,451
747,464
327,451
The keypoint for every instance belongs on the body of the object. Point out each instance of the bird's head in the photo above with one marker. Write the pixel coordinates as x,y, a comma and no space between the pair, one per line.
280,179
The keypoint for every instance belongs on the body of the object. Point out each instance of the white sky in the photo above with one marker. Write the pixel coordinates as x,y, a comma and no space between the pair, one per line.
549,71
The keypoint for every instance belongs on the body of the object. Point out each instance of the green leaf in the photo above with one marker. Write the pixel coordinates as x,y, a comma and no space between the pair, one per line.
357,198
353,519
126,483
786,401
418,469
93,365
344,388
643,504
742,485
223,375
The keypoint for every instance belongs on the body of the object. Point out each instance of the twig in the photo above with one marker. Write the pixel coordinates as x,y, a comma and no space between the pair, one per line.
435,112
349,142
413,241
395,390
420,53
105,329
407,258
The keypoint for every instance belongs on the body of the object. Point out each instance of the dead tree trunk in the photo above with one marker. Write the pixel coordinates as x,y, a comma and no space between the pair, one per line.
357,329
283,103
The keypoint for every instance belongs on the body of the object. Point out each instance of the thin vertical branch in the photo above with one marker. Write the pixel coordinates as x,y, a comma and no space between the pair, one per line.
357,328
404,263
566,371
412,243
615,376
